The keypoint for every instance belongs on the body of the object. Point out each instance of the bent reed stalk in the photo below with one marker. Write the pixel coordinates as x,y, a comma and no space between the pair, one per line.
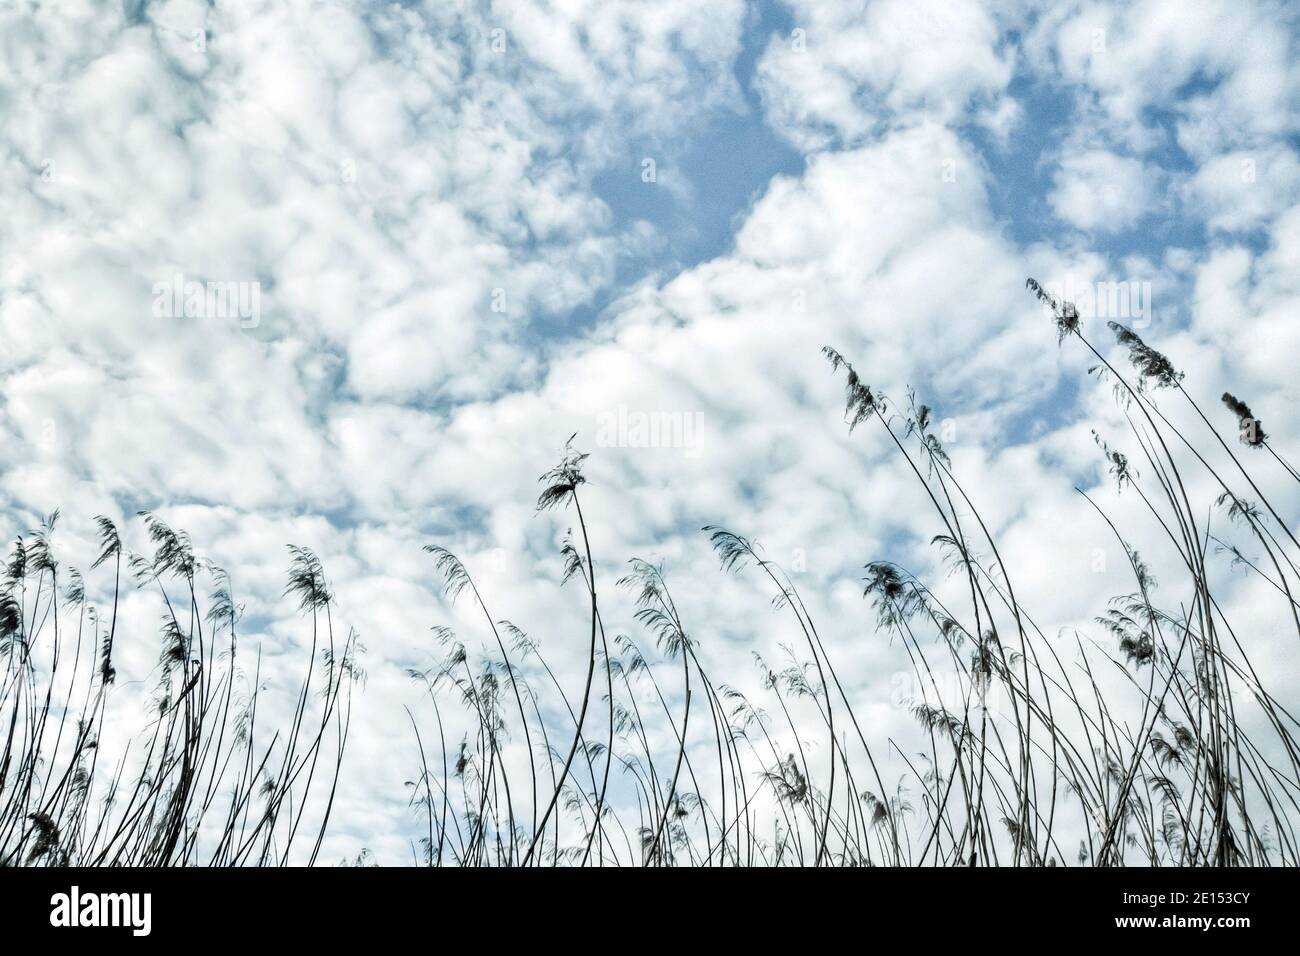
1156,742
202,781
1161,746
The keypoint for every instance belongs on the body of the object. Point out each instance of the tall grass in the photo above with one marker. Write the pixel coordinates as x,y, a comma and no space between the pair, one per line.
1157,745
201,779
1156,741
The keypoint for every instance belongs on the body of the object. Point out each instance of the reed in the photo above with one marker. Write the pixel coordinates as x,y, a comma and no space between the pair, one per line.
200,780
1151,740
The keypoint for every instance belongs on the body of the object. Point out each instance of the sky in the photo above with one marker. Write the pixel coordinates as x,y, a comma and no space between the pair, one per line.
451,235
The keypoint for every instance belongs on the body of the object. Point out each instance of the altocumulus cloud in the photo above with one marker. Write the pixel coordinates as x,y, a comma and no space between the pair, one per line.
414,190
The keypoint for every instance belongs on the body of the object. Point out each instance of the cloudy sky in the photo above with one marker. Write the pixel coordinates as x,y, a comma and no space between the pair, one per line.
466,231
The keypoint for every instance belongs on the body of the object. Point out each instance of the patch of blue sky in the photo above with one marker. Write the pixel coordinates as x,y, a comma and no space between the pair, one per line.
721,169
707,179
1021,173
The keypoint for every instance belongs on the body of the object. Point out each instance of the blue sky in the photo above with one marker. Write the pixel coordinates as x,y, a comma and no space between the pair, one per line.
728,161
459,265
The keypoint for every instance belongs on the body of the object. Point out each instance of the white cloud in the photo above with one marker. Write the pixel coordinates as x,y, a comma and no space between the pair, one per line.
1245,189
1127,59
386,172
1102,191
852,69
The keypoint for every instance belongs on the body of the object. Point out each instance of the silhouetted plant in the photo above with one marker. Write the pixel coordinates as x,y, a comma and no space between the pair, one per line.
198,784
1156,742
1156,765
